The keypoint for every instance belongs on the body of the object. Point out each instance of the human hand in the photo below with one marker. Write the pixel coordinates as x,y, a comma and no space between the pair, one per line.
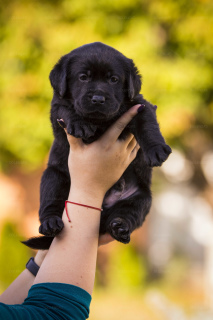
94,168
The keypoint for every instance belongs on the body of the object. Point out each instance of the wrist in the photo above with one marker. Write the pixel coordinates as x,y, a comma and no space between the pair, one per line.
82,216
90,197
32,266
39,257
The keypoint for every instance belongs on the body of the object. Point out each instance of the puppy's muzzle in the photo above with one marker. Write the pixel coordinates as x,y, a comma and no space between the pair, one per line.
98,100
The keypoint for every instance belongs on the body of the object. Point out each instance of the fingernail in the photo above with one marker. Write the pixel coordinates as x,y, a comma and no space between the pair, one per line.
140,109
61,123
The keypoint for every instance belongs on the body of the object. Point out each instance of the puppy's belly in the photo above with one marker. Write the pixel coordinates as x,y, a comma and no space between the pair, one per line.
114,195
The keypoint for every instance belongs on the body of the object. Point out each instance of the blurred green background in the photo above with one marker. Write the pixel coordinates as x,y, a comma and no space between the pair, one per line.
165,272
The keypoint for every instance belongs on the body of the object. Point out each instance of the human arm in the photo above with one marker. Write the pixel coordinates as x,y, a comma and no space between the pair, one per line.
49,298
17,292
18,289
72,256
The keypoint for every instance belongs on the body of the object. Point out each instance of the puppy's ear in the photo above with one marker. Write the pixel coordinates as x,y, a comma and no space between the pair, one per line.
133,80
58,75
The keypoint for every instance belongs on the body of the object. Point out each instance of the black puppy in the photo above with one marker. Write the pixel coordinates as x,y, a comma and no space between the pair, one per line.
93,86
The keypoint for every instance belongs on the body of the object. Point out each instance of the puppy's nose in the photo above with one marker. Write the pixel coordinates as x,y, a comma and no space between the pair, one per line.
98,99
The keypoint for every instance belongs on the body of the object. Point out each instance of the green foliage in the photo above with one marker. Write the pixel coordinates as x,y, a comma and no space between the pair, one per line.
13,255
170,42
127,270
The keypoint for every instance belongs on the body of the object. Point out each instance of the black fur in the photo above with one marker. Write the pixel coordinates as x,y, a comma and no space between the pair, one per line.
93,86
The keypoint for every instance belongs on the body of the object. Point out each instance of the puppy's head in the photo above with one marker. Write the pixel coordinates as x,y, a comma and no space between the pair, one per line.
97,79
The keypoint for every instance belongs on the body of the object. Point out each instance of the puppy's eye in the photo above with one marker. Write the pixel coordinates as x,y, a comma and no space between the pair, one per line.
114,79
83,77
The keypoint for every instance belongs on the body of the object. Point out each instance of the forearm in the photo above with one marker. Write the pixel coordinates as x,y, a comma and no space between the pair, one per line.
72,256
18,290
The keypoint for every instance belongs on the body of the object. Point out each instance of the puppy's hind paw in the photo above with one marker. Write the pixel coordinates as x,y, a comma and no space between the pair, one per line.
51,226
119,230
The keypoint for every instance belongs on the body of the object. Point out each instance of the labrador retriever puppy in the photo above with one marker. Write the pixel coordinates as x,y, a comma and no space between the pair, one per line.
93,86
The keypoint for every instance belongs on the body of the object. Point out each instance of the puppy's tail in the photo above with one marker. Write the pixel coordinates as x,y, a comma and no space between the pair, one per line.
42,243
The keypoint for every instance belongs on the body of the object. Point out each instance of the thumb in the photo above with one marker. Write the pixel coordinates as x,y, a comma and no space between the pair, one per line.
112,134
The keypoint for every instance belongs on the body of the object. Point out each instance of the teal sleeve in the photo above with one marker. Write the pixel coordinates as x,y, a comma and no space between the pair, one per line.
50,300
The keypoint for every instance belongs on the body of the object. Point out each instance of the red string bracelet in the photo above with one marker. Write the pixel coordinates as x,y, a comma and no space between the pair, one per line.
79,204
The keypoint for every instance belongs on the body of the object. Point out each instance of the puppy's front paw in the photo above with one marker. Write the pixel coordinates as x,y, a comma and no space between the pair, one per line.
51,226
81,130
155,156
119,230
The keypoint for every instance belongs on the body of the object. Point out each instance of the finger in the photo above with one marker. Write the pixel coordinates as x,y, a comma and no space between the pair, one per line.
132,144
73,141
61,123
134,152
112,134
127,140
